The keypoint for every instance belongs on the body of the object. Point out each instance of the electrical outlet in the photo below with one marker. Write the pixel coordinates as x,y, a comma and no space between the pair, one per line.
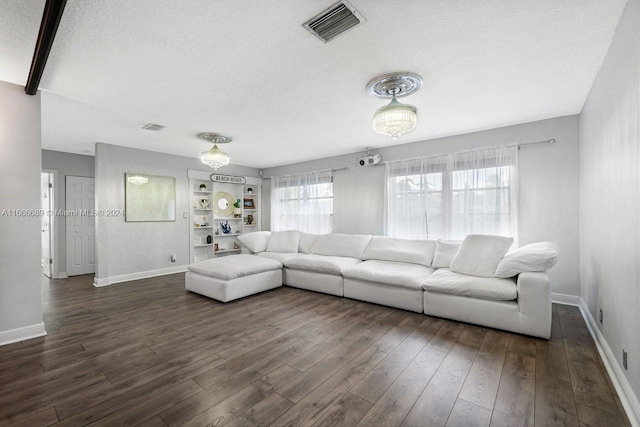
173,257
600,315
624,359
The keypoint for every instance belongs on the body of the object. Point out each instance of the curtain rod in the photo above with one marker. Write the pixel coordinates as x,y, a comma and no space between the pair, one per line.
515,144
546,141
324,170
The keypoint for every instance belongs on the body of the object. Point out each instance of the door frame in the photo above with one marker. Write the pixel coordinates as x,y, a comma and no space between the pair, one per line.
53,225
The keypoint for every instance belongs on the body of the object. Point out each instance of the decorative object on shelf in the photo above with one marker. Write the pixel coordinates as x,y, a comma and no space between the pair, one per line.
250,219
204,203
396,118
203,187
209,239
195,224
216,248
237,210
204,221
216,232
249,204
249,190
215,158
227,179
235,245
223,204
226,228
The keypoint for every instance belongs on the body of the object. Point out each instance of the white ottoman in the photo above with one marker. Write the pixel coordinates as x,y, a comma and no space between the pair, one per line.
234,276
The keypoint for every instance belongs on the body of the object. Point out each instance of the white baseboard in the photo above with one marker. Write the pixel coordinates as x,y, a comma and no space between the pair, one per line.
566,299
136,276
623,388
23,333
63,275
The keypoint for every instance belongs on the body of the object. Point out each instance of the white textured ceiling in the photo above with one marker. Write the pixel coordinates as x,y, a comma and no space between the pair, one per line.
249,69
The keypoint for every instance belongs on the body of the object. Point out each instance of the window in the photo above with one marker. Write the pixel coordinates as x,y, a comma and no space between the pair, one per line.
448,197
302,202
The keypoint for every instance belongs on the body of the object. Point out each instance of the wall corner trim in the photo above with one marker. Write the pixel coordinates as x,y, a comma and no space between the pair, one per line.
23,333
627,397
98,283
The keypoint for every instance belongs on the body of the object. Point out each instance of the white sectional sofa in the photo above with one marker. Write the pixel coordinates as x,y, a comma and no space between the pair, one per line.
473,281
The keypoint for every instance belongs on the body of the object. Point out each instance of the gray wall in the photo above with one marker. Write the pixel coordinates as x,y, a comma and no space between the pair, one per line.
20,147
549,187
67,164
610,189
126,247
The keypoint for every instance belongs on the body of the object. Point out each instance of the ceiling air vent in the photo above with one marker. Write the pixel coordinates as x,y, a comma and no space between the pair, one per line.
152,126
338,19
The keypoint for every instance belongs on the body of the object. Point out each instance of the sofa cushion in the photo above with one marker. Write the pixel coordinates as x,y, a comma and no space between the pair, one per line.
445,251
533,257
256,241
347,245
447,282
480,254
407,275
400,250
284,241
322,263
306,242
232,267
282,257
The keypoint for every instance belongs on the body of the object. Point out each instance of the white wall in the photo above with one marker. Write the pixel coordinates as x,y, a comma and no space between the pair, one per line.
549,187
67,164
610,195
20,273
130,248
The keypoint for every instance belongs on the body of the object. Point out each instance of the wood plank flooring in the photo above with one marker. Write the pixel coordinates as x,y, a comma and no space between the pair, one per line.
148,353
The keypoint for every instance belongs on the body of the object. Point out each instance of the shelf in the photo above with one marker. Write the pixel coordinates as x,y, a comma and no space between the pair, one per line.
250,225
203,245
200,209
250,194
202,192
205,226
227,235
217,218
250,210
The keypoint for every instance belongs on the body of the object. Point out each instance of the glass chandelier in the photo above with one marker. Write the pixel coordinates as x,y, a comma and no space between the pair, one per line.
396,118
137,180
215,158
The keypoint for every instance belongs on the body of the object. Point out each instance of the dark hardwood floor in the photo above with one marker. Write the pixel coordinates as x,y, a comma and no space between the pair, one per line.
149,353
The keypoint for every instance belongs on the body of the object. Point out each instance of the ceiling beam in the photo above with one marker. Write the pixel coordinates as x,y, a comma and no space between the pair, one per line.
48,27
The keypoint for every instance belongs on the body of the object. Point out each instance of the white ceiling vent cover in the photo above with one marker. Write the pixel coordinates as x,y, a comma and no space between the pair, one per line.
337,20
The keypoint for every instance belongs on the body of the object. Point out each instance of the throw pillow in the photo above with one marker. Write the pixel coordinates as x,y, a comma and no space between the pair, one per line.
284,241
256,241
480,254
533,257
445,251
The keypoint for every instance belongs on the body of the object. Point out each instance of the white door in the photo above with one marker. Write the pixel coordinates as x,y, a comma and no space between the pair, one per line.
46,185
81,226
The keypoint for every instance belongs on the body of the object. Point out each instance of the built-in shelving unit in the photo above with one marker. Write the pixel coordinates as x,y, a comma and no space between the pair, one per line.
207,237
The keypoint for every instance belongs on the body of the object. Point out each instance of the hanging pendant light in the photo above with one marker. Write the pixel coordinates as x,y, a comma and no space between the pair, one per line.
215,157
396,118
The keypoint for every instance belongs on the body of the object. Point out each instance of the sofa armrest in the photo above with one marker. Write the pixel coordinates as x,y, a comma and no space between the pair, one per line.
534,294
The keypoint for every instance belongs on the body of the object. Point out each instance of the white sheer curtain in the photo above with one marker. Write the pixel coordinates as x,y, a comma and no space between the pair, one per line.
415,198
484,191
448,197
302,202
